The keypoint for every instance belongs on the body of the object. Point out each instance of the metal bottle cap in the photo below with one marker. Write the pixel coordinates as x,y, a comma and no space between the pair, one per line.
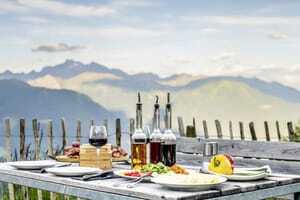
210,149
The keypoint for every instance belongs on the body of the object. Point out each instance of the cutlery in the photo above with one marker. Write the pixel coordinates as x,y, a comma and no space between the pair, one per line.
132,185
132,182
99,176
44,170
104,174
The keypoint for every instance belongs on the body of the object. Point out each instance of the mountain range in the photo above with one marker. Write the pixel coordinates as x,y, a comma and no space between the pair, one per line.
223,97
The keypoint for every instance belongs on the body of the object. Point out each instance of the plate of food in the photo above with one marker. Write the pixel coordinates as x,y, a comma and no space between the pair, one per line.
223,165
73,171
30,165
71,154
195,181
129,174
154,170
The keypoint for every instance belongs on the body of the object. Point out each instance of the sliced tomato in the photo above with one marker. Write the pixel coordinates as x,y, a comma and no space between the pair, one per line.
133,174
230,159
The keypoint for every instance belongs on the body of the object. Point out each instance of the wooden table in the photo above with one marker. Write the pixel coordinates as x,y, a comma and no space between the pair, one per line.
103,189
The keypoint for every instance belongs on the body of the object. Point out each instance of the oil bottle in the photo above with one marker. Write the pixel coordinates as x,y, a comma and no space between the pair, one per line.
139,140
168,144
156,136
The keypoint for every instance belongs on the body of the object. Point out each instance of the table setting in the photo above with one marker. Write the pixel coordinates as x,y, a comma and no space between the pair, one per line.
152,170
152,160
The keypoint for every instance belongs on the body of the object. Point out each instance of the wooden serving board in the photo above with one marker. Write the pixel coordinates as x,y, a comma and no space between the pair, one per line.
64,158
120,159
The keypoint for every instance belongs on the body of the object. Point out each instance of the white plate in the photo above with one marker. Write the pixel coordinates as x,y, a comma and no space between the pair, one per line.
196,181
255,177
72,171
248,175
27,165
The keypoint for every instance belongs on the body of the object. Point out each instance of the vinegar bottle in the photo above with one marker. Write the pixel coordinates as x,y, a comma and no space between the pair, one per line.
139,140
155,138
168,145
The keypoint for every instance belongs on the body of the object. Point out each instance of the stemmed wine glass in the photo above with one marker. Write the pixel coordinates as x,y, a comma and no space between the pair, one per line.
98,136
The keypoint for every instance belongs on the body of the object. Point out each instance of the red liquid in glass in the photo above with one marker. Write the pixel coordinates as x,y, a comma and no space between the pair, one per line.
98,142
155,155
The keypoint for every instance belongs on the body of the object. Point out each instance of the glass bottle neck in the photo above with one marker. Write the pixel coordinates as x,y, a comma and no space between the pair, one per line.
156,119
139,118
168,117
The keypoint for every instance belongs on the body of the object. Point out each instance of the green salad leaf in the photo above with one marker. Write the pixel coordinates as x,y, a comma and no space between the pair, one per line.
158,168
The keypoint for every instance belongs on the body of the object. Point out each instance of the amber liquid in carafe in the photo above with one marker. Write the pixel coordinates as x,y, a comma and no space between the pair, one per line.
139,155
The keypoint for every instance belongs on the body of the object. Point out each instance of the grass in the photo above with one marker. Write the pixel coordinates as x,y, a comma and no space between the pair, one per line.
32,194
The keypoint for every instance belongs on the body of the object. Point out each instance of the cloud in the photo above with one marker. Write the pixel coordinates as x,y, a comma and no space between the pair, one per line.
56,7
11,6
278,36
114,32
134,3
224,56
71,9
242,20
60,47
33,20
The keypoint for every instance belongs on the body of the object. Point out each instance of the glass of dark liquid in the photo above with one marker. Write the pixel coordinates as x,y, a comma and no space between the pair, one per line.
98,136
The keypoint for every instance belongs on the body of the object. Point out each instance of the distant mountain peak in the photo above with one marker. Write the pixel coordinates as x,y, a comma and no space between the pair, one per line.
72,63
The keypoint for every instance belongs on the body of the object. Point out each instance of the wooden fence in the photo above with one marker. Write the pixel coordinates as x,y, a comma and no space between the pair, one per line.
190,130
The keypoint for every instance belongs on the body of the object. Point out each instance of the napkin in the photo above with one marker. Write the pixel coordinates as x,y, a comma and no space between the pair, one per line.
252,171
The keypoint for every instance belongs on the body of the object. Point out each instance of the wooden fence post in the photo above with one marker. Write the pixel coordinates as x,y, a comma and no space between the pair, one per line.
291,131
219,129
50,151
190,131
242,134
194,125
64,134
131,131
252,131
105,123
206,136
36,139
131,127
180,126
8,154
78,131
24,190
37,143
118,132
278,130
230,130
22,140
91,122
268,138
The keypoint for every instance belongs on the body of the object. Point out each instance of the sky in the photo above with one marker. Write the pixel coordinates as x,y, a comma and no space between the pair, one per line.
257,38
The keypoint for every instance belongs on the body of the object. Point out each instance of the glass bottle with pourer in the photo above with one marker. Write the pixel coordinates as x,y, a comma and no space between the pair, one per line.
168,145
139,140
156,136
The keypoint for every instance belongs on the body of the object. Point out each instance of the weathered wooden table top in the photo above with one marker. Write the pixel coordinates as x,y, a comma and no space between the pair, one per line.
275,185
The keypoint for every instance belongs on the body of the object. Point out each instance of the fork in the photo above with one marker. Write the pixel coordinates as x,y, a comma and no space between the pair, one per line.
132,182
